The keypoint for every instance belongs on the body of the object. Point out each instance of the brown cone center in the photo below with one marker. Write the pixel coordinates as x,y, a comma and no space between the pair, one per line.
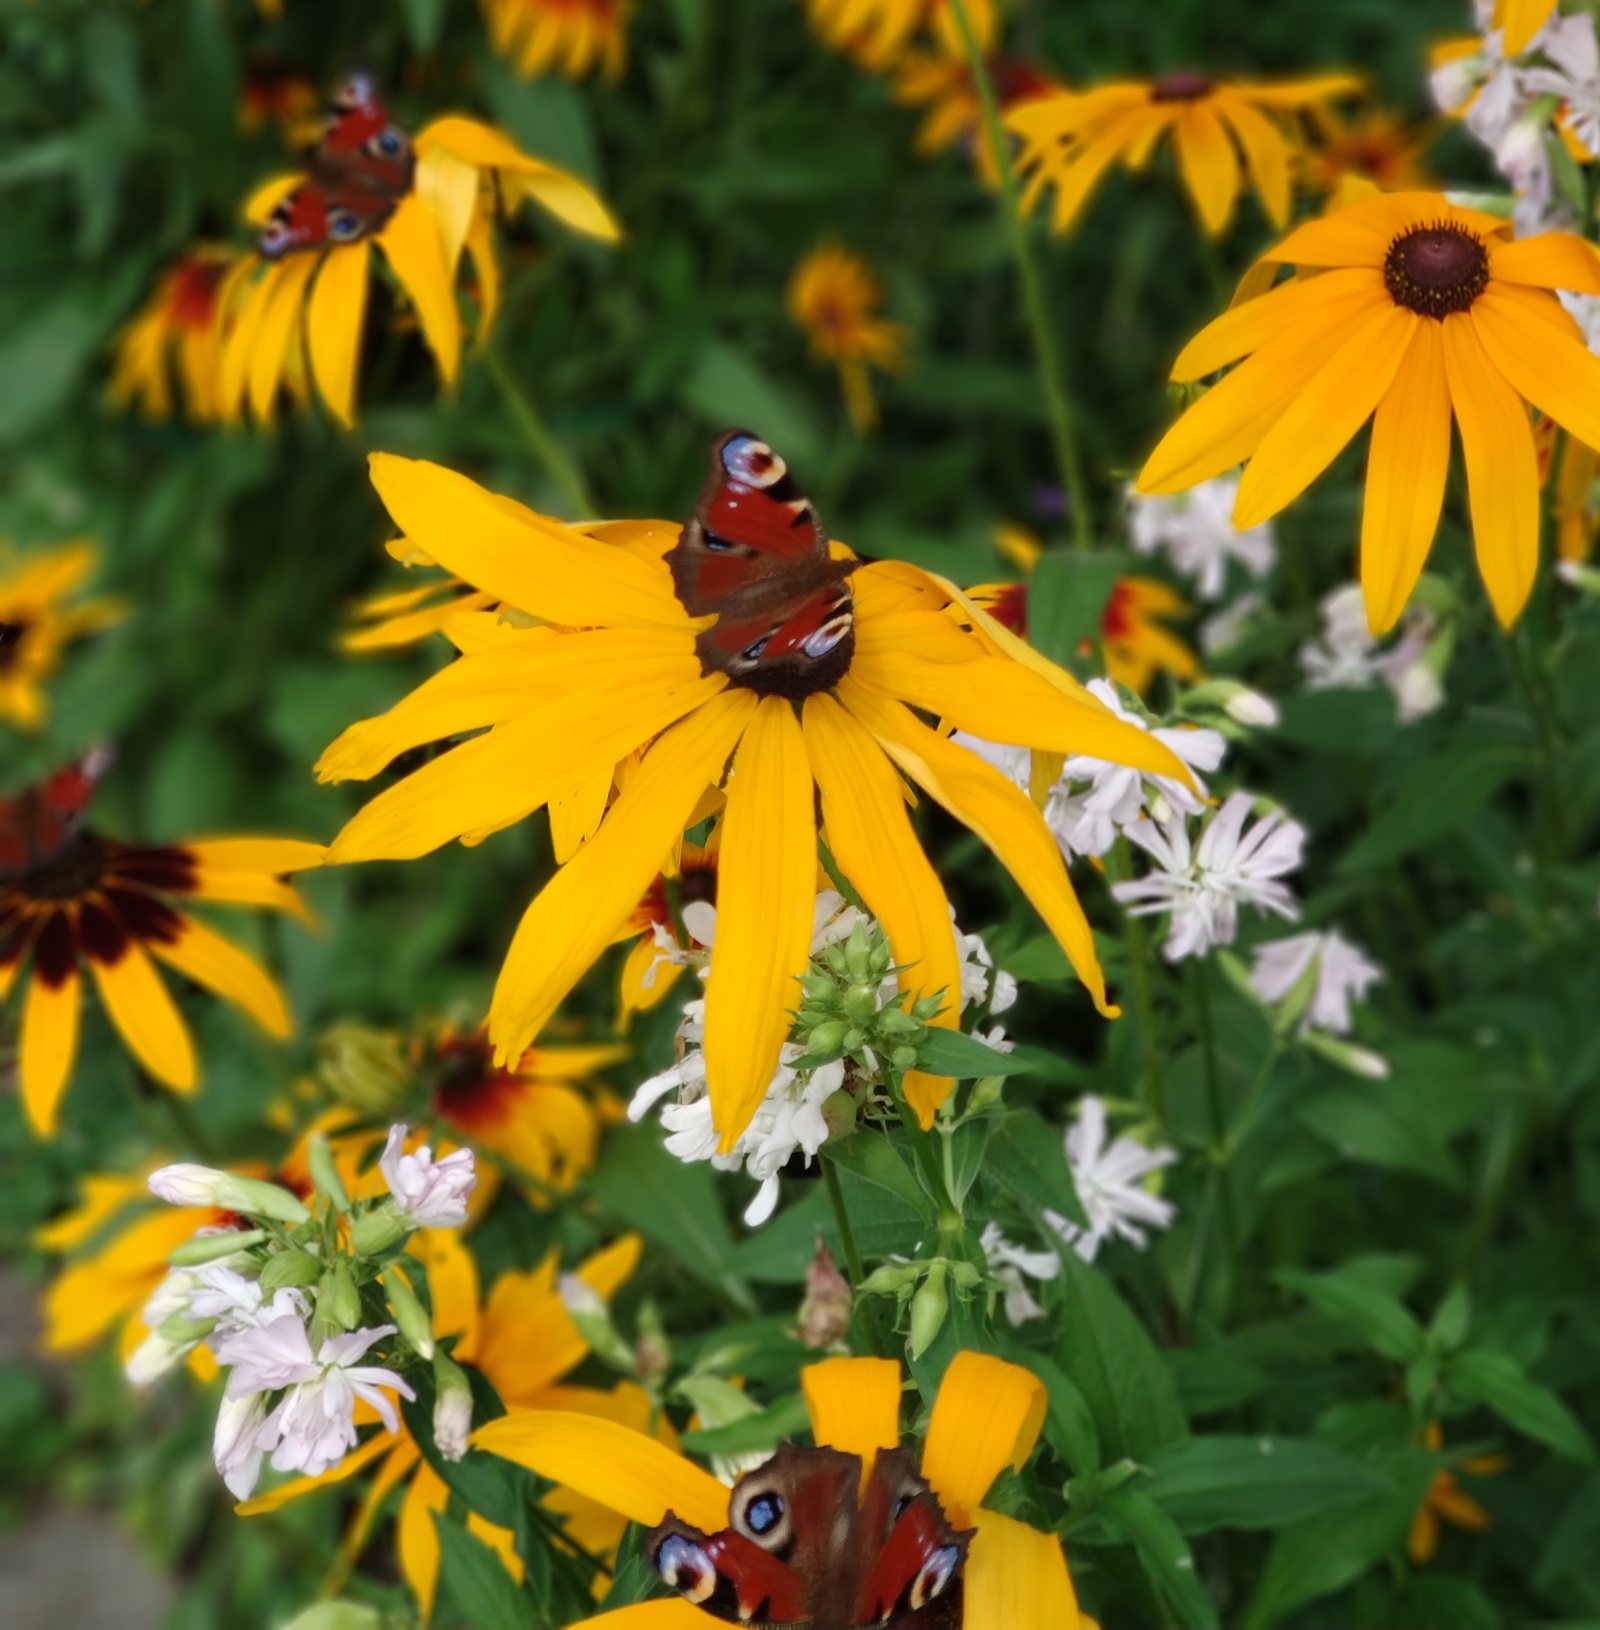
10,643
1435,270
1184,86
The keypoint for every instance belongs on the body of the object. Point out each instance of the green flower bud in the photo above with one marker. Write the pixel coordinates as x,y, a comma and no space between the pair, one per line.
213,1247
861,1003
290,1268
839,1111
895,1021
858,953
409,1315
452,1408
890,1279
338,1305
817,987
928,1309
325,1175
903,1058
376,1230
183,1331
987,1091
853,1040
826,1040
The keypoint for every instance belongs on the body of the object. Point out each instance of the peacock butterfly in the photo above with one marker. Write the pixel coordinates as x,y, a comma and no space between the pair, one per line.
755,554
806,1548
360,169
36,823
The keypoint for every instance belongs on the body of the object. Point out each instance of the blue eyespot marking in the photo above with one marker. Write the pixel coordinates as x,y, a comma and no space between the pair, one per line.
765,1512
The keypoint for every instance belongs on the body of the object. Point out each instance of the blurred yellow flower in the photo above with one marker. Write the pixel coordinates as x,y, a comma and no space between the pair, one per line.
1521,20
1446,1501
1577,506
1225,133
273,92
175,329
524,1341
941,82
573,37
38,618
834,296
1375,146
1418,309
614,671
877,33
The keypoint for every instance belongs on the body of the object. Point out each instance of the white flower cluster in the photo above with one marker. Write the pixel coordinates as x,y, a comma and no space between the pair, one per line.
1348,656
1195,531
790,1117
281,1319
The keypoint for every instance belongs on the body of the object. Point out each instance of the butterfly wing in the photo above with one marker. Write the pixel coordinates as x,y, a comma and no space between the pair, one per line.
36,824
731,1577
914,1580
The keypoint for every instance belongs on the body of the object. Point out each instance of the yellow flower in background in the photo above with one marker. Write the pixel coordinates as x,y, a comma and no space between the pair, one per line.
1577,506
1418,309
835,297
614,672
175,331
111,906
987,1417
941,81
524,1341
297,320
659,918
1377,147
571,37
273,92
877,33
38,618
1447,1502
1226,134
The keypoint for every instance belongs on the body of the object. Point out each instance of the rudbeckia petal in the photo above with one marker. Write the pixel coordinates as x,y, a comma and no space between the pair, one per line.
275,856
1406,471
486,270
765,897
610,1268
539,566
1209,165
622,1469
141,1007
1541,360
1016,1578
1522,19
48,1045
1328,410
575,817
987,1416
238,349
449,187
1552,260
580,909
1267,154
278,328
854,1404
416,252
222,967
357,1460
335,317
668,1613
1502,467
1075,177
999,812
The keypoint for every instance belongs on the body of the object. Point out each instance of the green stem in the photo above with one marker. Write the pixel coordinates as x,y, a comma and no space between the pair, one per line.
1052,377
950,1220
852,1258
1152,1079
1208,1053
1241,1122
550,453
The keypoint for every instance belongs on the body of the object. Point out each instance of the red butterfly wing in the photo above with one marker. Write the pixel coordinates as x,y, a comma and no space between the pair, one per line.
38,821
915,1580
728,1575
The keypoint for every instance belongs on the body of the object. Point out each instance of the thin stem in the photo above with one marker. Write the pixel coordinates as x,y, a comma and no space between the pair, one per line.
1208,1053
1138,941
1241,1122
852,1256
837,877
1052,377
551,454
950,1221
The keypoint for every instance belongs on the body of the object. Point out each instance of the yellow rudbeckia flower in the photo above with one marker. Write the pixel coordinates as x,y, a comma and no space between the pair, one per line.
614,670
1417,310
176,329
1375,147
941,82
298,319
834,296
987,1416
38,617
572,37
877,33
1224,132
524,1341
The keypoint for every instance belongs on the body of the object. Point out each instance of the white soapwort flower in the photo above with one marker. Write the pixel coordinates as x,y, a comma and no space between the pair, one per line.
1343,974
233,1444
1224,630
1348,656
1572,75
429,1193
1110,1183
1011,1264
185,1184
1195,531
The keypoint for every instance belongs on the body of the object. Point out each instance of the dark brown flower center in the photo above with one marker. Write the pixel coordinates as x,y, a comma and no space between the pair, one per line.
1184,86
77,868
10,643
1436,269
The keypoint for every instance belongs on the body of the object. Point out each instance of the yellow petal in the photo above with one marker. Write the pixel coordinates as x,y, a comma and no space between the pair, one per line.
854,1403
1406,471
223,968
999,812
454,1291
278,329
411,240
486,269
416,1537
335,317
575,817
668,1613
449,187
1331,407
1267,152
987,1416
1523,19
1076,176
1528,339
104,1194
622,1469
357,1460
1502,468
238,350
766,891
579,911
538,565
48,1045
274,856
1016,1578
1209,165
141,1007
1552,260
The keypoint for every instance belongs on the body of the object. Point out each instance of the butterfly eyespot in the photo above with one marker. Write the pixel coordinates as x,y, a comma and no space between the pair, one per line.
686,1568
901,1506
753,652
820,643
390,143
344,226
764,1513
752,463
935,1577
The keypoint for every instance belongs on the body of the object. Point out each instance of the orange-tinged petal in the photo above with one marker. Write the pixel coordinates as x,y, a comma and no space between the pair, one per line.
987,1416
415,249
48,1045
766,890
854,1403
1333,405
223,968
622,1469
538,565
335,317
1360,233
1502,467
1457,1507
1423,1541
141,1007
1552,260
1075,178
486,271
1540,358
1016,1578
999,812
1209,164
579,911
1406,471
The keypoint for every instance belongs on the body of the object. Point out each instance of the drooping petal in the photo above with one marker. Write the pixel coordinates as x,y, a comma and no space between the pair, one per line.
1266,153
219,965
238,349
1406,470
987,1416
997,810
449,187
766,891
579,911
622,1469
277,331
1075,179
1016,1578
486,270
335,317
1529,340
1502,467
48,1046
1209,164
411,240
141,1007
1552,260
854,1404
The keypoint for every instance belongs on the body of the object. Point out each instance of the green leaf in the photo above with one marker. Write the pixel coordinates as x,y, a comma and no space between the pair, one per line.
1574,1542
424,19
477,1582
1164,1554
754,1433
1380,1317
1105,1352
727,387
1501,1384
954,1052
1257,1482
1374,1125
337,1616
1040,961
1067,596
1069,1426
1028,1159
874,1158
